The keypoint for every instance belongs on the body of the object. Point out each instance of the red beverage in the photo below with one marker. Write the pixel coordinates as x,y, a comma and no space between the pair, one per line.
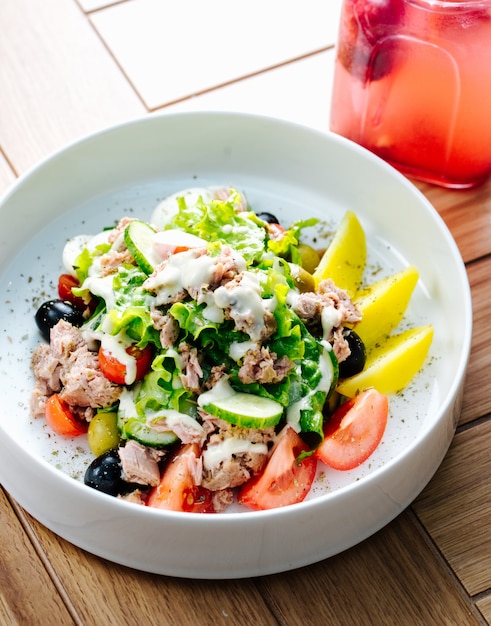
413,84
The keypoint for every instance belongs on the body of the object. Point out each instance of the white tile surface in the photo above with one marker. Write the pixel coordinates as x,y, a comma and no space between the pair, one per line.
299,92
92,5
170,50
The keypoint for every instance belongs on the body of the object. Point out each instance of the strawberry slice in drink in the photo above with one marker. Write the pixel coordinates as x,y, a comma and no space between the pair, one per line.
363,24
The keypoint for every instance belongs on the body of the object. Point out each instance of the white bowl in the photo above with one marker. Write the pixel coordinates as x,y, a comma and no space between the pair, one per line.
288,170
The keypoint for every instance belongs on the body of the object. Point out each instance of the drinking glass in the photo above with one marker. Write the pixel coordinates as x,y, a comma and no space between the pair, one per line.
413,84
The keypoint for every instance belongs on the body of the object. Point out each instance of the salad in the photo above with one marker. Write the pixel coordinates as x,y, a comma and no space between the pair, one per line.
202,355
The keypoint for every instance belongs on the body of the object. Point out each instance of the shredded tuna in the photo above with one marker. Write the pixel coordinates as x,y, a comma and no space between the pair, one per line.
139,464
195,467
135,497
234,471
46,370
217,371
222,499
238,468
119,229
263,366
166,325
114,259
227,266
309,305
340,345
69,368
188,431
37,403
245,319
341,300
192,373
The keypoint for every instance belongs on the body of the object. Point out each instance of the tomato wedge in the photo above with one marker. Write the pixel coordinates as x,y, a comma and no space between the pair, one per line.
354,431
284,480
177,490
60,418
115,371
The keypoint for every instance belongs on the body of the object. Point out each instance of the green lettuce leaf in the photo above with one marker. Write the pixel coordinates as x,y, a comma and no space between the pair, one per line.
218,220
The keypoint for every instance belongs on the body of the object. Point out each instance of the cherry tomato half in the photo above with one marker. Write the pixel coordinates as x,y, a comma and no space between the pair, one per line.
60,418
284,480
115,371
177,490
66,282
354,431
276,231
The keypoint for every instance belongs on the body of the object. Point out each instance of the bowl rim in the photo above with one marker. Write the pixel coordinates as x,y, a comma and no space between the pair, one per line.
373,476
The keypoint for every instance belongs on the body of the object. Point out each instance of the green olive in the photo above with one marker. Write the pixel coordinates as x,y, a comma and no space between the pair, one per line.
103,434
309,257
304,281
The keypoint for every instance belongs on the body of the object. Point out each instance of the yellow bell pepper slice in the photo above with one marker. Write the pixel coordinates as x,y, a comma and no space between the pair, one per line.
392,365
383,305
345,259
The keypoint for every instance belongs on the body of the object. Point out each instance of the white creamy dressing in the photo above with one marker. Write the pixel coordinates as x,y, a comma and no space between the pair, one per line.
127,406
330,318
193,271
168,419
102,286
185,270
292,298
326,368
245,302
220,452
212,312
116,346
173,353
92,338
221,390
293,412
238,349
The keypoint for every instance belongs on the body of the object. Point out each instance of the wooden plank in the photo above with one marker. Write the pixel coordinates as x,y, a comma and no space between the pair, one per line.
104,593
7,176
392,578
467,214
455,507
170,51
477,399
484,605
58,81
27,594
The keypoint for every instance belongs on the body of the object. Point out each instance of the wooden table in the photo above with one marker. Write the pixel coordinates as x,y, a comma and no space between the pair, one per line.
68,68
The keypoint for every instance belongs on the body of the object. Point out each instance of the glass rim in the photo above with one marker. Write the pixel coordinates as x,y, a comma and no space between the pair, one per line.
437,5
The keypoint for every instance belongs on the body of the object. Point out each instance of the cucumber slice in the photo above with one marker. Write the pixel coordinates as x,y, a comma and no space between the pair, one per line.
245,409
139,239
137,429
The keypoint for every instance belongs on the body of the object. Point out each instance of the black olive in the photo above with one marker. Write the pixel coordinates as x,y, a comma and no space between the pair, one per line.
355,363
269,218
104,474
51,312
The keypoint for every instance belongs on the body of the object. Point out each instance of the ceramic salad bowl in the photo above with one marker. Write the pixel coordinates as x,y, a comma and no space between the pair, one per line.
293,172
